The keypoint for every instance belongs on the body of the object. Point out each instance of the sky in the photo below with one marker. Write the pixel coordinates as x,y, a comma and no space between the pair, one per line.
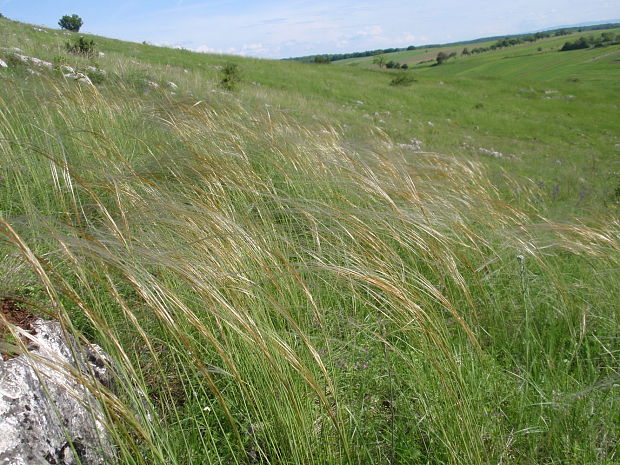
280,29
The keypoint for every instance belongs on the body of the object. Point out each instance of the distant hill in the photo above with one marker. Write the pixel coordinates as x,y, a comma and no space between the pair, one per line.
556,31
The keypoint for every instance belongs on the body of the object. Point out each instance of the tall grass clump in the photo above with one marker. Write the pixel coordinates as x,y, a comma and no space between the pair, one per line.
269,294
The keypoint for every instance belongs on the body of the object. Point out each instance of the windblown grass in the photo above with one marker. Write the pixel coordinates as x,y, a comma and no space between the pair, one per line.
270,292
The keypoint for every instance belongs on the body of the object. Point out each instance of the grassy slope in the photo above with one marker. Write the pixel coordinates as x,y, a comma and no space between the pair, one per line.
288,286
564,141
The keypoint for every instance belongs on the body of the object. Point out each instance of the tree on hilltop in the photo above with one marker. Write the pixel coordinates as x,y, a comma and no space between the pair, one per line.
379,59
71,22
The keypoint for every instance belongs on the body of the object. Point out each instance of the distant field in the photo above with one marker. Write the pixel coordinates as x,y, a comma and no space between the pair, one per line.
414,57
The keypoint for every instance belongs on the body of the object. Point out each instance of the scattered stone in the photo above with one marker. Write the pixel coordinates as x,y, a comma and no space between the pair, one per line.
79,77
35,61
185,71
441,83
94,69
550,91
151,84
491,152
47,415
101,54
494,153
172,85
381,121
358,102
367,116
38,29
3,64
618,144
414,144
66,69
33,72
430,123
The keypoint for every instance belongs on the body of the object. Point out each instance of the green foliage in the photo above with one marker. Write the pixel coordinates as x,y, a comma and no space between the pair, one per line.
402,80
96,76
580,43
605,39
442,57
230,76
379,60
71,22
322,59
81,46
59,60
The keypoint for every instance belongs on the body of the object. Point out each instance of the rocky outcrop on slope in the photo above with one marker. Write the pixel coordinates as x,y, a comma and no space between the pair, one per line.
47,415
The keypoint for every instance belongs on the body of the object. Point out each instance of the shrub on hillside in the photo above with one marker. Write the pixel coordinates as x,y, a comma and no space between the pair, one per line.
230,76
402,80
95,75
322,59
71,23
442,57
580,43
81,46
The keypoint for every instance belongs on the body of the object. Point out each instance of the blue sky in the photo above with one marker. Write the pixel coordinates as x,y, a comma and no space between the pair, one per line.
277,29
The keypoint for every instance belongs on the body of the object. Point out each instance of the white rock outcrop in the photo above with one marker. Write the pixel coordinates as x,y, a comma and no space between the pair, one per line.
47,415
79,77
3,64
35,61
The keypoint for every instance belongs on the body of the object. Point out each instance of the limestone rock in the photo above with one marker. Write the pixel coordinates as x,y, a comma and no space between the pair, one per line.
94,69
3,64
47,416
79,77
35,61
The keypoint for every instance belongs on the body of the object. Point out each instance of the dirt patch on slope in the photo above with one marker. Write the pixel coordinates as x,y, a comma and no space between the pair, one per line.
15,314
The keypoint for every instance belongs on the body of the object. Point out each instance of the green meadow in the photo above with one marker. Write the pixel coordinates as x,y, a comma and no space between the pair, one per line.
319,267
